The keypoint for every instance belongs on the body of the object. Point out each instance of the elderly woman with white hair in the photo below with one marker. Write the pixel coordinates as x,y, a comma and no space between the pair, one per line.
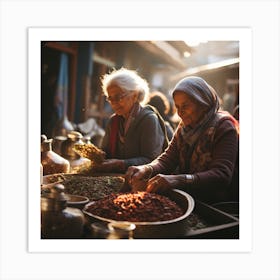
135,134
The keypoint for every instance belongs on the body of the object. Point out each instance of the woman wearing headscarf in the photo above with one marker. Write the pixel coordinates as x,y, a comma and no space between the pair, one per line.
135,134
202,158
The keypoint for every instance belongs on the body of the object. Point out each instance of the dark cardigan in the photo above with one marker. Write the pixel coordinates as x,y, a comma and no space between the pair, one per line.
144,141
215,166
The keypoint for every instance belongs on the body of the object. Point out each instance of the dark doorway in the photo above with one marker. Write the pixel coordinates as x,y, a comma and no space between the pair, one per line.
49,76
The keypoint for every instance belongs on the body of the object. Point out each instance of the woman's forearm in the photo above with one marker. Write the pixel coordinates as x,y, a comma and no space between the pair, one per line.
167,162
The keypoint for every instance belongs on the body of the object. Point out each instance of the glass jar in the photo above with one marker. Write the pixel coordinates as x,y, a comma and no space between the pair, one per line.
77,163
58,220
74,137
51,161
57,141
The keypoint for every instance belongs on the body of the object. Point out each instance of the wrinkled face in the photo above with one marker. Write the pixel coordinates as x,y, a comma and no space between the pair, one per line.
121,101
188,110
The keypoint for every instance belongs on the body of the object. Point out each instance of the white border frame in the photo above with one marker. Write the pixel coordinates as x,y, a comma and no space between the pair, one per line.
262,262
243,35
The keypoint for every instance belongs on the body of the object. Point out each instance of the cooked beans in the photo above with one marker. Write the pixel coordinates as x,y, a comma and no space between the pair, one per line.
136,207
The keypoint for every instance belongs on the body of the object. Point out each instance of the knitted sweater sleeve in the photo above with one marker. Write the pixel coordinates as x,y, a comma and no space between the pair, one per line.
224,155
151,138
167,162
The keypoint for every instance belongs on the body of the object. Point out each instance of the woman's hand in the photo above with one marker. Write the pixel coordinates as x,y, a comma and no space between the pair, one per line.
109,166
162,183
135,173
138,176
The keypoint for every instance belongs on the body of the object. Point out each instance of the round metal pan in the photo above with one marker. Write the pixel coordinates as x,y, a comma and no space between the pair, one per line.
163,229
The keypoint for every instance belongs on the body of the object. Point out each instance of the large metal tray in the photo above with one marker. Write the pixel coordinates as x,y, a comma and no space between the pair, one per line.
221,225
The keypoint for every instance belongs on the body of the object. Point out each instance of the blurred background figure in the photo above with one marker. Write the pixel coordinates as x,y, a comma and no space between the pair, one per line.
230,99
158,100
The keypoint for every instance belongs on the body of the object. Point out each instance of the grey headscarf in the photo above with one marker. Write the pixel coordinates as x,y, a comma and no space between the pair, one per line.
197,89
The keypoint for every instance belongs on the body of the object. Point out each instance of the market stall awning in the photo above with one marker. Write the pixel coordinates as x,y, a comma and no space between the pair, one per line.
233,62
169,53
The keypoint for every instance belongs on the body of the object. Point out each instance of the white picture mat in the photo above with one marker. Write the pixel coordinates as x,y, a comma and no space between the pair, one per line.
243,35
263,19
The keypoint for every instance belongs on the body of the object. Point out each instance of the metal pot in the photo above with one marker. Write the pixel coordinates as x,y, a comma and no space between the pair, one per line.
77,201
58,220
163,229
74,137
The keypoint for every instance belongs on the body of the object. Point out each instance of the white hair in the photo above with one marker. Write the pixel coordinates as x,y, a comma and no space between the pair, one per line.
127,80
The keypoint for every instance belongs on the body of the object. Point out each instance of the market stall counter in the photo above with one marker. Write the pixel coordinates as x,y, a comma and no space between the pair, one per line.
112,214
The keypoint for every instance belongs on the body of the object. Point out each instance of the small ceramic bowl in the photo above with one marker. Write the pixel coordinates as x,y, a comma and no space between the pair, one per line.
77,201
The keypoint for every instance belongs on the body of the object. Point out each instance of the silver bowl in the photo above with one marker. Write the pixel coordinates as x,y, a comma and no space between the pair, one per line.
174,228
77,201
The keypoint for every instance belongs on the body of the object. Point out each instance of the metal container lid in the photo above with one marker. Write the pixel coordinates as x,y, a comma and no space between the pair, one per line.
55,199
